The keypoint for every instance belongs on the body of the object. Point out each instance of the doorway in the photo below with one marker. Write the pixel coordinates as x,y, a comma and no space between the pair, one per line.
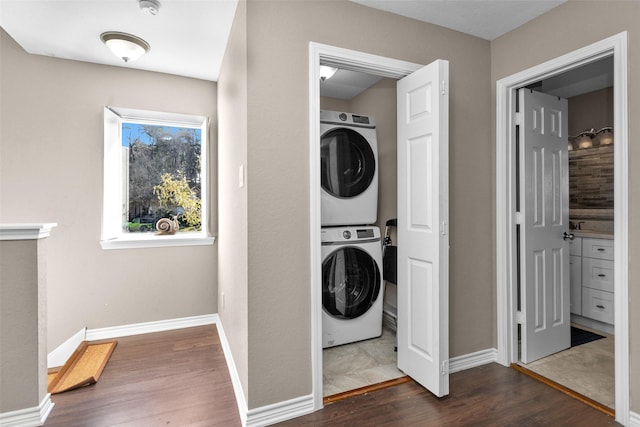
506,201
424,354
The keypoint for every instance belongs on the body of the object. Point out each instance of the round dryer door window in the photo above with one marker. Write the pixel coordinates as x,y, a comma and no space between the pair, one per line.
350,283
348,163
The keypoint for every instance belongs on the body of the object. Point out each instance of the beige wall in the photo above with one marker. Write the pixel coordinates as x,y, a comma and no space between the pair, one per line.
22,324
278,34
552,35
51,152
232,153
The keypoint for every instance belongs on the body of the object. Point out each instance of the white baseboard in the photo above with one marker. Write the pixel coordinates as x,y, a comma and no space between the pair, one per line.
634,419
63,352
281,411
233,372
472,360
29,417
149,327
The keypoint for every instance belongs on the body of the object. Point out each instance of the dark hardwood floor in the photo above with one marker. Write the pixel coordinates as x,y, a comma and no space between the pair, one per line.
174,378
180,378
489,395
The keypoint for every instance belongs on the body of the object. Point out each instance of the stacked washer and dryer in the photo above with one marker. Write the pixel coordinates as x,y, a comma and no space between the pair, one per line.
352,284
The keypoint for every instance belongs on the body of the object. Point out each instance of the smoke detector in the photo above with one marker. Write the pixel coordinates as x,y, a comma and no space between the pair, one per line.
152,7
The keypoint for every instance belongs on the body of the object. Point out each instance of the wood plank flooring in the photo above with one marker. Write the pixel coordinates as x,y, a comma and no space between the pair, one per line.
490,395
180,378
174,378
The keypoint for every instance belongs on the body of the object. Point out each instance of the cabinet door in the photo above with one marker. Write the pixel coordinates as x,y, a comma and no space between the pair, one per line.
575,268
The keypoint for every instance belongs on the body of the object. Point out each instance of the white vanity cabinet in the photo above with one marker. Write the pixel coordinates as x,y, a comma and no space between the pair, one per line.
597,279
575,278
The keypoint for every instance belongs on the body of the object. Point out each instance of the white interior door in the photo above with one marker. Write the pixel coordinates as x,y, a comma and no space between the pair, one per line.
423,216
544,219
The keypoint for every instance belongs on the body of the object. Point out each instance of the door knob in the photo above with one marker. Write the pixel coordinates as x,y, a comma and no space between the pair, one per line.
568,236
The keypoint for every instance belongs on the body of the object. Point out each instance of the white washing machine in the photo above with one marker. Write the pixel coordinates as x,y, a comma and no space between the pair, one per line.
349,169
352,285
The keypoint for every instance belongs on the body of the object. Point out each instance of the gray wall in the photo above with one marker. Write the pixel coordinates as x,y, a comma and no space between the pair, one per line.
51,151
278,295
554,34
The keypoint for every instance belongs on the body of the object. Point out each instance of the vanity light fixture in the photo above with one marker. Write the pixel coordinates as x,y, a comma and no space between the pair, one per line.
605,135
125,46
584,140
326,72
591,138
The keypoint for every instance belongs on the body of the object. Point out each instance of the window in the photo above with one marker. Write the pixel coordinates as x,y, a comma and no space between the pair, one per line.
155,179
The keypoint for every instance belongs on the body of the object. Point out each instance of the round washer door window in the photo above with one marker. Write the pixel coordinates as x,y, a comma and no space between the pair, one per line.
350,283
347,161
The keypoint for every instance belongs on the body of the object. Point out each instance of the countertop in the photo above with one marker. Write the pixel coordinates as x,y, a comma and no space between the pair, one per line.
593,234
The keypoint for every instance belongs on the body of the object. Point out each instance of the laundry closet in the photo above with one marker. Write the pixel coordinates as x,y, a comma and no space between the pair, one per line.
359,347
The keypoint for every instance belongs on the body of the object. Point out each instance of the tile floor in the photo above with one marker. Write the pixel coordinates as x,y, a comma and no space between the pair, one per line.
359,364
587,369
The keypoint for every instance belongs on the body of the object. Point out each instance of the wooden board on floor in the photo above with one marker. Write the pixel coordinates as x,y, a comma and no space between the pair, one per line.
84,367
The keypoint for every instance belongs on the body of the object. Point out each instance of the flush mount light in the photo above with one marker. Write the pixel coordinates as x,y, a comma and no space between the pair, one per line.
327,72
125,46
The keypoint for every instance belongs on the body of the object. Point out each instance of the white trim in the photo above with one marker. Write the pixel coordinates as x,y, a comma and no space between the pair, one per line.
63,352
153,241
281,411
29,417
149,327
356,61
472,360
26,231
634,419
505,201
233,372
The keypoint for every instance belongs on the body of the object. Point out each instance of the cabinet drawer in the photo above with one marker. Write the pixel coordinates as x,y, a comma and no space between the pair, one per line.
597,305
575,246
597,274
597,248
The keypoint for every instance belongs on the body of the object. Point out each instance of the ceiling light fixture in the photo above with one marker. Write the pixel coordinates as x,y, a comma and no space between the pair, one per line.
326,72
152,7
125,46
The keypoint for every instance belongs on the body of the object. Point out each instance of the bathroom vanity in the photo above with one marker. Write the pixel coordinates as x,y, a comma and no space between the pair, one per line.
592,284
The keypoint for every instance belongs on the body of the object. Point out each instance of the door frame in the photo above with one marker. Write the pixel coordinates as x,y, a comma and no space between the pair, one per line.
349,60
506,272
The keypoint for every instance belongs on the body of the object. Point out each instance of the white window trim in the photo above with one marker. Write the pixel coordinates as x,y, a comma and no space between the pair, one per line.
112,234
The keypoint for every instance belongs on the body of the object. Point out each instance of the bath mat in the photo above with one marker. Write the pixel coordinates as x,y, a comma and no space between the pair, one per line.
83,368
580,336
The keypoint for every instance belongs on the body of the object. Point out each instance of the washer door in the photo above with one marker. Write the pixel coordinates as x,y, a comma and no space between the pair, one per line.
347,161
350,283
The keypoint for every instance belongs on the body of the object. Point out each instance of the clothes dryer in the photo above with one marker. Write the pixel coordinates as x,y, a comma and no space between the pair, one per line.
352,286
349,169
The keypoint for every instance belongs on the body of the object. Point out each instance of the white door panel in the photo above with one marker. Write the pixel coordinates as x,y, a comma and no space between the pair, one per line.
544,210
423,241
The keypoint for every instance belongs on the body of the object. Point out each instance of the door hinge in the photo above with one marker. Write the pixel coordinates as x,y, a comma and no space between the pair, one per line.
519,318
444,368
517,117
444,229
443,87
518,218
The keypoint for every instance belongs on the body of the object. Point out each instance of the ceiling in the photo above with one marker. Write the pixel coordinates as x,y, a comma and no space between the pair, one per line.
189,37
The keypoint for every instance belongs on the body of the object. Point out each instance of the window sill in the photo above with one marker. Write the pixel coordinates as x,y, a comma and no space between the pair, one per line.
154,241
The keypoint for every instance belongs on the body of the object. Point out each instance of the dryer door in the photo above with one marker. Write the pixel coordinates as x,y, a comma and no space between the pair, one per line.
348,164
350,283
